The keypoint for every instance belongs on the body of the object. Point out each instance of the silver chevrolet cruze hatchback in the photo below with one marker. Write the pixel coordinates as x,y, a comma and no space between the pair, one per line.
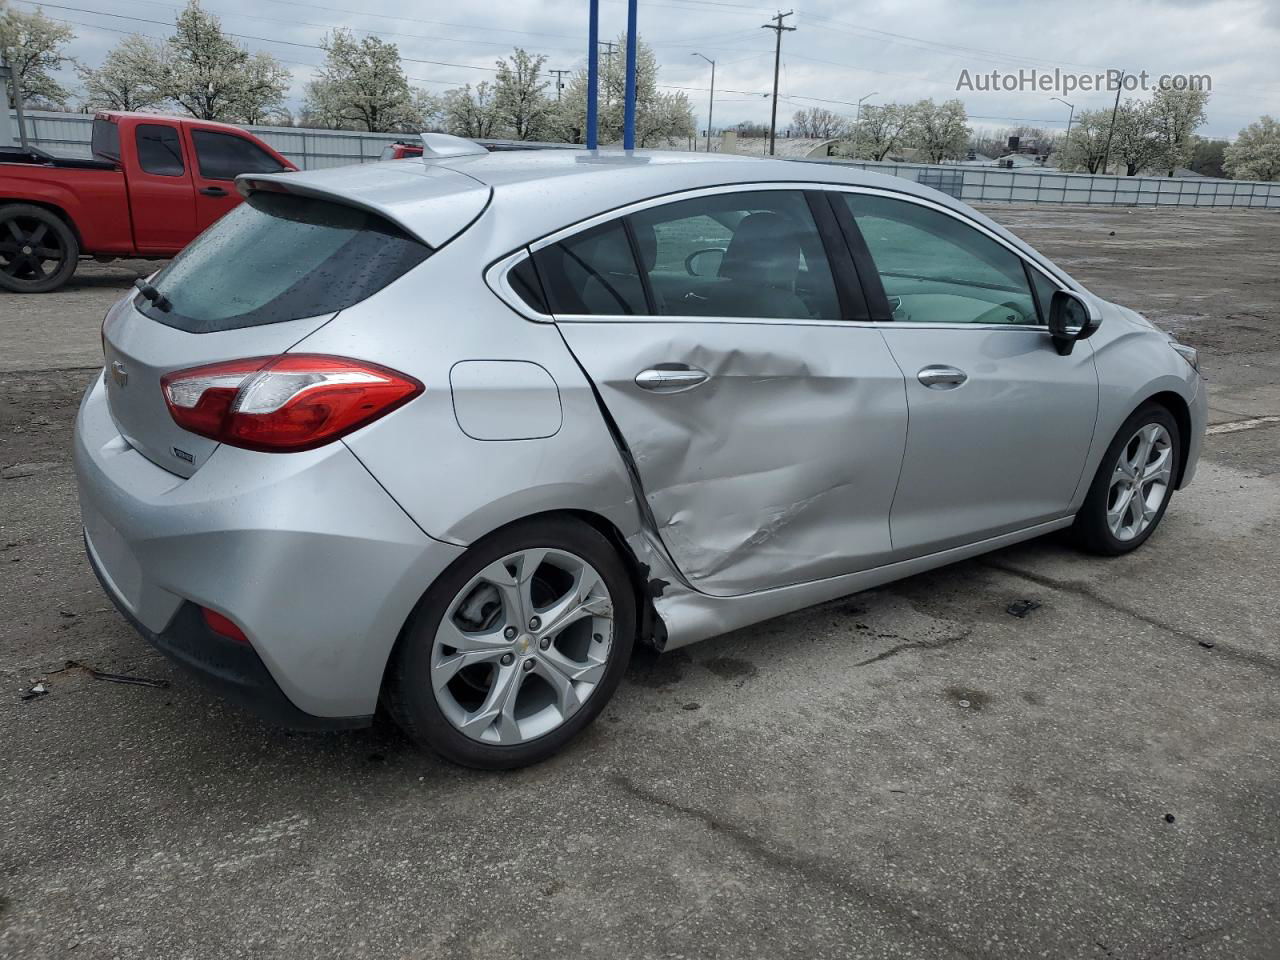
452,434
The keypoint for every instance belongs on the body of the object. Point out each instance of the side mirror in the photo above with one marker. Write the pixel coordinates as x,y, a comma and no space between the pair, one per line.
704,263
1070,319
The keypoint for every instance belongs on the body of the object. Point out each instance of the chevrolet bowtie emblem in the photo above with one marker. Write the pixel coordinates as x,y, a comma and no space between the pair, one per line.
119,374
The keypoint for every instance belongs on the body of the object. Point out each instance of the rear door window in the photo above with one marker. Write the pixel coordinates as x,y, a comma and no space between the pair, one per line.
280,257
737,254
159,150
224,156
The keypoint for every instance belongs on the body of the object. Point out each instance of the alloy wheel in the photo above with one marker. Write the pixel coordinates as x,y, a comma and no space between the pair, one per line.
522,646
1140,482
26,246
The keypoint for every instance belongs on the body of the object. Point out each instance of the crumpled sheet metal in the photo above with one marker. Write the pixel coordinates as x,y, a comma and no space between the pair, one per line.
781,468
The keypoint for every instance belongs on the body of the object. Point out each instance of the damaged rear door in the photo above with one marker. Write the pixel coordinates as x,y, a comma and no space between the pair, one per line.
765,422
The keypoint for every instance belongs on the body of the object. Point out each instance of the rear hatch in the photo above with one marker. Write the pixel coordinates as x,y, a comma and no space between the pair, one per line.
275,269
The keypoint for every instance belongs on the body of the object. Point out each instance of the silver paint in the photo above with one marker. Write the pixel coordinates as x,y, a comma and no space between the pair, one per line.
812,462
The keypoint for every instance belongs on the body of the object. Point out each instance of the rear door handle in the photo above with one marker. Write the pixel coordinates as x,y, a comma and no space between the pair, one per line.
671,379
213,191
937,377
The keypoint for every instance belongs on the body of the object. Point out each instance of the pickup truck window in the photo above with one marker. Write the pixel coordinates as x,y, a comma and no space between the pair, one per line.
159,151
223,156
106,140
280,257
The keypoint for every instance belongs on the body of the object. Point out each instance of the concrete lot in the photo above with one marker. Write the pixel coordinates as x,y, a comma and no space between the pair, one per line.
815,786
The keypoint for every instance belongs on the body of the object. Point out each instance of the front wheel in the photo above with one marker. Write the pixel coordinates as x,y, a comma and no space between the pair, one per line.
1133,485
38,251
517,647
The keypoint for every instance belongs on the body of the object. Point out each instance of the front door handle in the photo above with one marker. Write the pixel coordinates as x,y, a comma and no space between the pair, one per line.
937,377
672,378
213,191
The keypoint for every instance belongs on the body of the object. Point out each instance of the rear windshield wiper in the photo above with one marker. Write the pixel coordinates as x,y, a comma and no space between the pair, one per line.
157,298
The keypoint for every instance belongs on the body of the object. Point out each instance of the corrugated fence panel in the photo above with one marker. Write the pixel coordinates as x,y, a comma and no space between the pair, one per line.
69,134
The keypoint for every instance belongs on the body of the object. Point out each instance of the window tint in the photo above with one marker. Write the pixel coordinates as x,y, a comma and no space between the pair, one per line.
106,140
754,254
936,269
524,281
224,156
280,257
1045,289
593,272
159,151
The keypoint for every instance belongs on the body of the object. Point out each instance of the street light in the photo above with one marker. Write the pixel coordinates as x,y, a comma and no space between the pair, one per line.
711,103
857,134
1070,116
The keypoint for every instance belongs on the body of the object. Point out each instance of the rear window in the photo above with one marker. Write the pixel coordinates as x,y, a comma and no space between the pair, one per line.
280,257
106,140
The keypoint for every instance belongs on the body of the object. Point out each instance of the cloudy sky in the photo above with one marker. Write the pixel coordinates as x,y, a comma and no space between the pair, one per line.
897,50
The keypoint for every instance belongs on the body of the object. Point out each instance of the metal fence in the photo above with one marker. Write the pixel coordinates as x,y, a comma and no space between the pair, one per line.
975,184
69,134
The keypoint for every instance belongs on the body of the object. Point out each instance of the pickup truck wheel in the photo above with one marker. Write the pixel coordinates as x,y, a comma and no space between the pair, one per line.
38,251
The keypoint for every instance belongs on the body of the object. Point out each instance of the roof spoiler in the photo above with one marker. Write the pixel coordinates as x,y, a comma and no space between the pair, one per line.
438,146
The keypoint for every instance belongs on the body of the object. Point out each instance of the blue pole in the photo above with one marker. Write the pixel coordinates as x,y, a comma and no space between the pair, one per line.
593,74
629,117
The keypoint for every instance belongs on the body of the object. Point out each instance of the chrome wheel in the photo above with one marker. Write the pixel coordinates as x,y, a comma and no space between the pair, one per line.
522,646
1140,481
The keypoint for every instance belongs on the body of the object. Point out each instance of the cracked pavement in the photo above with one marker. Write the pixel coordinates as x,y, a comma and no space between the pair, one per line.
908,772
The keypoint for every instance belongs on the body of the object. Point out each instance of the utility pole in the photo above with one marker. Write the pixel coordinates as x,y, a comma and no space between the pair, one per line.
608,65
711,102
559,82
1106,154
776,26
857,130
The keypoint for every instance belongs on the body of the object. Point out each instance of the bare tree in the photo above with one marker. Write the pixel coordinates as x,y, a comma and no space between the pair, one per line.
819,123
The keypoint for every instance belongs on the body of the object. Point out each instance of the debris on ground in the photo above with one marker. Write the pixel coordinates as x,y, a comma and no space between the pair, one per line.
37,690
1020,608
1207,644
1169,818
117,677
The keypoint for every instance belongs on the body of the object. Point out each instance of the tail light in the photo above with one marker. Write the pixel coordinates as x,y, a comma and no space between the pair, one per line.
286,403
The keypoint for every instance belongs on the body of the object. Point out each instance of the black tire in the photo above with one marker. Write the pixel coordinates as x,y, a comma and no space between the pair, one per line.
38,251
1091,530
408,694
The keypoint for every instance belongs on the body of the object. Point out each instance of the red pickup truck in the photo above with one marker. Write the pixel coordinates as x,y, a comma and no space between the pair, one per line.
153,184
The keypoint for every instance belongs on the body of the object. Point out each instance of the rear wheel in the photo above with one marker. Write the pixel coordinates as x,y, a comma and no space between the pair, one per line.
517,647
1133,485
38,251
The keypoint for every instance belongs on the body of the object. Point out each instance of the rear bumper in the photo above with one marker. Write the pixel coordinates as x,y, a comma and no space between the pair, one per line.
232,670
305,552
